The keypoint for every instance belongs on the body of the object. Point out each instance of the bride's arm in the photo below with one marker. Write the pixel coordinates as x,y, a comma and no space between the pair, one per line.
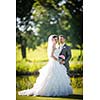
52,53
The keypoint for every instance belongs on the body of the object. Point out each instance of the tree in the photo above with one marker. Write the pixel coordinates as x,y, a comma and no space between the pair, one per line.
40,18
23,17
76,9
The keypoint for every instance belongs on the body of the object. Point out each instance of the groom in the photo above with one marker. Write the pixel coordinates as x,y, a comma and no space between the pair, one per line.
66,51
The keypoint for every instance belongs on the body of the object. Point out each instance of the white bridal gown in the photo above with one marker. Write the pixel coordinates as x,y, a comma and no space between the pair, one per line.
52,81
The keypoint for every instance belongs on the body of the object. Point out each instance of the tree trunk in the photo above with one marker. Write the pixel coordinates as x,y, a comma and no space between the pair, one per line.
23,48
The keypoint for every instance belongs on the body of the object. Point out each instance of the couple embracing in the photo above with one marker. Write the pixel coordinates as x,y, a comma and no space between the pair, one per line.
53,79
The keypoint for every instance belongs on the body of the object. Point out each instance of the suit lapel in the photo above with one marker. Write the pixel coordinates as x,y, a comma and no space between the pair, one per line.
62,48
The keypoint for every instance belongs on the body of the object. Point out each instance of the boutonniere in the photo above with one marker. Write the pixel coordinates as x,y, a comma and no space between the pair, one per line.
64,47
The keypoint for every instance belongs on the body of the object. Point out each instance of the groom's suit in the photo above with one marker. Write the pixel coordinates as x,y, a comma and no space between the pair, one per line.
66,51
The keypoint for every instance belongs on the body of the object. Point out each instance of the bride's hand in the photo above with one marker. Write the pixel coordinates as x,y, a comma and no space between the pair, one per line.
62,62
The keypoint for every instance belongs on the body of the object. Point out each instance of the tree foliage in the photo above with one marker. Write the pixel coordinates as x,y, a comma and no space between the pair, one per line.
37,19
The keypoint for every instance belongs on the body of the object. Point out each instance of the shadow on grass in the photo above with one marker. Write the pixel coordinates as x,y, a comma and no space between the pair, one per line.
73,96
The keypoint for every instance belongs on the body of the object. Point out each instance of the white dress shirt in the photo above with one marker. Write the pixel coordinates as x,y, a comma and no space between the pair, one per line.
61,46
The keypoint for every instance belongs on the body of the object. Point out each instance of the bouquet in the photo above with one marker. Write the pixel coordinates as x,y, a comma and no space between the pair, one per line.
61,58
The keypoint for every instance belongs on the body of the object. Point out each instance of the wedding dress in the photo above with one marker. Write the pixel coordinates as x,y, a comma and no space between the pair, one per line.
52,81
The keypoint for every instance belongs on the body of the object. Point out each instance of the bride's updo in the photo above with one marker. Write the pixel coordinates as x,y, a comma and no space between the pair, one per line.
52,37
55,36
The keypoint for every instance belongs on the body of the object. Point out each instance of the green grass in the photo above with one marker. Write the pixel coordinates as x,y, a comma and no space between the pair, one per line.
43,98
76,96
26,82
36,59
37,55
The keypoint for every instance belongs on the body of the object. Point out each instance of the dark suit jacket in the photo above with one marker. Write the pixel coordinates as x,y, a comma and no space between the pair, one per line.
66,51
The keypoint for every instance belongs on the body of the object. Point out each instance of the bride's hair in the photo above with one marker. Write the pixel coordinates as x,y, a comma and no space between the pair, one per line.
50,44
55,36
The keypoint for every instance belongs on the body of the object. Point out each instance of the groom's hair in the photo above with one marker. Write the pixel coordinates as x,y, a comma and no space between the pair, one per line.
62,36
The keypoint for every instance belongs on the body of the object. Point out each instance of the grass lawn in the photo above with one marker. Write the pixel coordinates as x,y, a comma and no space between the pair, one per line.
45,98
36,59
76,96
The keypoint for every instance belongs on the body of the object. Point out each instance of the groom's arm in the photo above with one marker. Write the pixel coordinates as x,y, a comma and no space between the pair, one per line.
68,54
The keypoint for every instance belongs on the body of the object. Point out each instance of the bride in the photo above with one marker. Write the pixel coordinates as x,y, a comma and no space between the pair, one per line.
53,80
